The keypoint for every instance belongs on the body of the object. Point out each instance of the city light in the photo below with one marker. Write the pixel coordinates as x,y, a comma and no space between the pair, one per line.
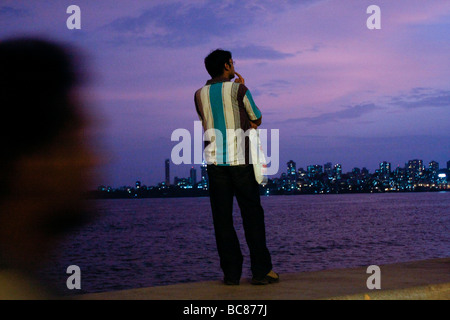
414,176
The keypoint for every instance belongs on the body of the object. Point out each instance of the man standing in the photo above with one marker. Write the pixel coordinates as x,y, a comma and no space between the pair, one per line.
224,107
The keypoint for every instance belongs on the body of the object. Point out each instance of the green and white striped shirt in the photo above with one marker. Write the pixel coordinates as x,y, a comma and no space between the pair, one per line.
225,109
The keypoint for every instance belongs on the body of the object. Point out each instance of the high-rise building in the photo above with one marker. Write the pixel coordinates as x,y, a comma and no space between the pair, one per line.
433,166
193,176
314,169
301,173
291,170
204,172
364,171
327,168
448,165
167,172
337,171
385,167
414,167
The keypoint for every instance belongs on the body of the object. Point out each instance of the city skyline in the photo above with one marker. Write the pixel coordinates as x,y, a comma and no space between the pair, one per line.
384,167
316,179
335,89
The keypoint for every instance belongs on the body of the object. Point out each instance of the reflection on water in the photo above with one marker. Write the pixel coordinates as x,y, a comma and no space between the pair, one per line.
149,242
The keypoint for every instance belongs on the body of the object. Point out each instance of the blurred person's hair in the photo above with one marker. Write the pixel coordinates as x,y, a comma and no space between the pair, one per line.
36,79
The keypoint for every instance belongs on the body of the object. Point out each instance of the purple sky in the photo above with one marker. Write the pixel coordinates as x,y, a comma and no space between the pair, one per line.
337,91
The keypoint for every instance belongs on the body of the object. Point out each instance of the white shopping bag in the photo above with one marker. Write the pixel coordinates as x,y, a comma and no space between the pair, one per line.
258,158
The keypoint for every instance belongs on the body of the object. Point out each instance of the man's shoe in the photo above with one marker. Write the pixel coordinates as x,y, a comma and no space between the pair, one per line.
230,282
271,277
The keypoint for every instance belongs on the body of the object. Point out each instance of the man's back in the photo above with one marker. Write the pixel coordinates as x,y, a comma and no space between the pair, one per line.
225,107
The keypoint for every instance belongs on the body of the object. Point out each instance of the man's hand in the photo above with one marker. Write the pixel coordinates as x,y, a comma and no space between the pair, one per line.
239,78
253,125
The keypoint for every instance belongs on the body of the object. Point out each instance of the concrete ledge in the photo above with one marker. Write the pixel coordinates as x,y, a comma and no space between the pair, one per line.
426,279
431,292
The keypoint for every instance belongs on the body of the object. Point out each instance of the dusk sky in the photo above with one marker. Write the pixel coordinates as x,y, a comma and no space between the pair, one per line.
337,91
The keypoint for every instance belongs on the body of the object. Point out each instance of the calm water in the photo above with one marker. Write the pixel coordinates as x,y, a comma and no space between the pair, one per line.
150,242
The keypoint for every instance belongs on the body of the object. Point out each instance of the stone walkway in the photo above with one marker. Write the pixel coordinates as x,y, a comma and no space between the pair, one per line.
417,280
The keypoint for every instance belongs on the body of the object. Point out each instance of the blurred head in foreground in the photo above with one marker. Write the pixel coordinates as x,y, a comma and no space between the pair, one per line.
44,164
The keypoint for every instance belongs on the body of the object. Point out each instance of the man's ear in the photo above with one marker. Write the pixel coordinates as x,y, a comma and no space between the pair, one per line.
226,67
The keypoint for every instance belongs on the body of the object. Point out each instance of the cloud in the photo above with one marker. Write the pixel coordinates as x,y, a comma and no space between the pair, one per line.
6,11
418,97
314,48
272,88
352,112
422,98
277,83
258,52
183,24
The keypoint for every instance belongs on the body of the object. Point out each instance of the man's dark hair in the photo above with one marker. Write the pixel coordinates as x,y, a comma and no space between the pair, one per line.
215,62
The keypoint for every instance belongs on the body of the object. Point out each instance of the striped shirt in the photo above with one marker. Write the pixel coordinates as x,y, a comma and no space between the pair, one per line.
225,108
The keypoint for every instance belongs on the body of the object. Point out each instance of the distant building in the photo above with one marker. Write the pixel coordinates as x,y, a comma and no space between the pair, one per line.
193,176
167,172
400,173
337,171
433,166
181,182
443,179
448,165
314,170
291,170
385,168
328,168
364,171
301,174
204,172
414,168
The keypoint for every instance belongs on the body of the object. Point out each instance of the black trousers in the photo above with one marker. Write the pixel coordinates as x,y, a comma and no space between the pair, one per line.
225,182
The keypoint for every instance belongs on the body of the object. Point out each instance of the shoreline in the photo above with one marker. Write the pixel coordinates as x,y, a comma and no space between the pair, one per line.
90,197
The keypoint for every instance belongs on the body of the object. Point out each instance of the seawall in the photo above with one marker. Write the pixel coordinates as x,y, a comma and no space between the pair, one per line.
413,280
